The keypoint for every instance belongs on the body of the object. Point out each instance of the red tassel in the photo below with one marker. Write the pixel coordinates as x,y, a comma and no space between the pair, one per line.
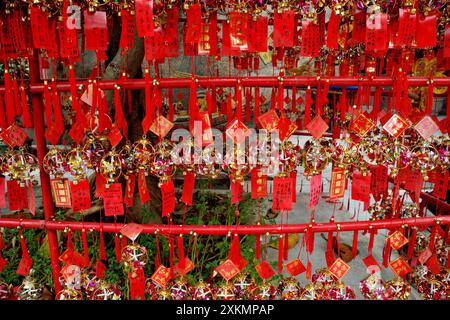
432,238
330,241
124,242
258,247
193,104
286,246
120,119
26,115
180,247
171,255
308,101
248,99
387,252
9,99
59,120
272,99
137,284
148,119
310,240
117,247
256,111
2,113
85,248
25,263
238,99
32,202
229,108
371,240
17,105
102,247
355,243
171,106
280,254
48,107
412,243
376,104
430,99
157,254
73,91
280,97
213,99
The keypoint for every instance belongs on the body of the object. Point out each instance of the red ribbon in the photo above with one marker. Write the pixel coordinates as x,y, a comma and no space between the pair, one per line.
137,284
308,101
280,254
26,115
120,119
412,243
180,247
355,243
85,248
9,99
102,247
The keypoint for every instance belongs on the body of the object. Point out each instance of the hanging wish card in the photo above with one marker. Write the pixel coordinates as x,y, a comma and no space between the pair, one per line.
283,28
338,182
310,45
113,200
144,17
361,186
168,198
282,194
80,194
426,32
406,28
315,190
193,23
17,196
61,193
239,30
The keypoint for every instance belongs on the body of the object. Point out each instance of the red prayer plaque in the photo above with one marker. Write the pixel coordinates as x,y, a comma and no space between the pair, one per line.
237,190
379,182
317,127
361,186
259,183
333,31
80,194
426,127
168,198
339,268
269,120
143,189
237,131
400,267
14,136
426,32
397,240
127,34
310,45
161,276
193,23
441,185
283,28
228,269
295,267
362,125
282,194
17,196
39,27
406,28
315,190
264,269
96,30
61,193
131,230
338,182
371,264
239,30
113,200
144,17
188,188
395,126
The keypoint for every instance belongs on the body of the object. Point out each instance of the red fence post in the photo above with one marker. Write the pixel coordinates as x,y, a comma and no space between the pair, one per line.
38,118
